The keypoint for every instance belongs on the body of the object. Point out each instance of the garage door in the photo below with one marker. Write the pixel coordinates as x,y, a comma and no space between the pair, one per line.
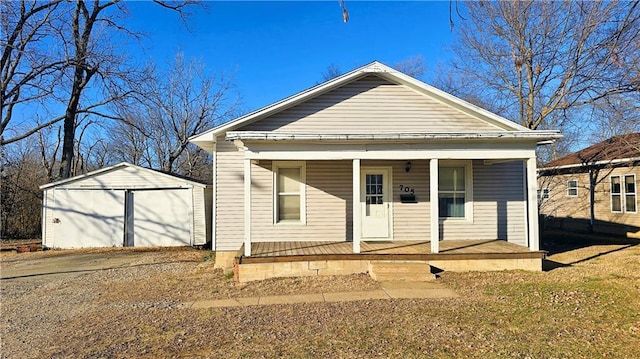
88,218
161,217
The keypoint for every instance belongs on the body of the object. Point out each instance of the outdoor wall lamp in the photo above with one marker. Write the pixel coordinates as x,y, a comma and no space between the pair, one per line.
407,167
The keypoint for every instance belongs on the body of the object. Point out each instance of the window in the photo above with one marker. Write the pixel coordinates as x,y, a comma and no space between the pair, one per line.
572,188
543,193
623,194
454,190
616,194
289,192
630,193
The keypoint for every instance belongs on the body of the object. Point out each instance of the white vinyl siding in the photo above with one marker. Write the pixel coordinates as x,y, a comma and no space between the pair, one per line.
327,197
498,204
200,215
496,214
371,104
128,177
229,181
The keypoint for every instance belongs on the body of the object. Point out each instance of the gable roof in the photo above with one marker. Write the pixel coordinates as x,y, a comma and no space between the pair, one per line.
205,139
621,148
120,166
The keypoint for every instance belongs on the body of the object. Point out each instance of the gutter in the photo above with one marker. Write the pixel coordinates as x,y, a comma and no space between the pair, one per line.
544,136
597,163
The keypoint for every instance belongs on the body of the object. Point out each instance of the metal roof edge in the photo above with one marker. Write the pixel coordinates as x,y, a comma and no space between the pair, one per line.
597,163
115,167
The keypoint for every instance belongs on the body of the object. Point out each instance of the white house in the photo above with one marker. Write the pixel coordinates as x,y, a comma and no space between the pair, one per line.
373,155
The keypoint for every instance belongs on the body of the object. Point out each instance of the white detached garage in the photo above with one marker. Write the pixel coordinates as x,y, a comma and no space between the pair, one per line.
125,205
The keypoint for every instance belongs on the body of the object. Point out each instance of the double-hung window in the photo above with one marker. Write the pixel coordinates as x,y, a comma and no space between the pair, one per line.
289,192
624,194
454,190
543,193
572,188
630,193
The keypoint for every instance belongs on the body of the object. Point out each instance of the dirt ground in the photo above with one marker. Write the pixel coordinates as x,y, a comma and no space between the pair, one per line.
119,303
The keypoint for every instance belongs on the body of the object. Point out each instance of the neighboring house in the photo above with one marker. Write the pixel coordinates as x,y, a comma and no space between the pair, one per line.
125,205
372,155
595,188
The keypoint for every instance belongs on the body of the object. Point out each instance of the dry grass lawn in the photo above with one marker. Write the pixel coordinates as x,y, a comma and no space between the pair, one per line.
586,305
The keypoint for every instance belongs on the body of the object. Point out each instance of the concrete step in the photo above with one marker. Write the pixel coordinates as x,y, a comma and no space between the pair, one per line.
401,271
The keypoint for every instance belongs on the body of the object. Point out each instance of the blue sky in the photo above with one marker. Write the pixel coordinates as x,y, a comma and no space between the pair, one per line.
275,49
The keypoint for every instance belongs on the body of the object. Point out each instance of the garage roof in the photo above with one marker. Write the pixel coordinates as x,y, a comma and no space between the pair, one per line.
121,165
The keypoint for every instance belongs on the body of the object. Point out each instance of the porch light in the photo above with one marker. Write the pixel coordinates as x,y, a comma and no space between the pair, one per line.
407,167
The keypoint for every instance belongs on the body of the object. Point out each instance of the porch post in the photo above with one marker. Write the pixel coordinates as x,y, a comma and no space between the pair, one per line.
532,205
247,207
433,202
356,225
214,200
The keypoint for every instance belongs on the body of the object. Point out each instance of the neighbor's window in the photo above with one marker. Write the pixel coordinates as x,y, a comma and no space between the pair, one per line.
630,193
452,192
616,194
572,188
289,192
543,193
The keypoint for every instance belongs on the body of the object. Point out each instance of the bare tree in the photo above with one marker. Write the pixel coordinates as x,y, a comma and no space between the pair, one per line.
413,66
179,103
20,197
332,71
53,52
536,60
28,69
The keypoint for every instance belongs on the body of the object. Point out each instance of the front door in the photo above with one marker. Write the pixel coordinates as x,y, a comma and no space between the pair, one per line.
375,202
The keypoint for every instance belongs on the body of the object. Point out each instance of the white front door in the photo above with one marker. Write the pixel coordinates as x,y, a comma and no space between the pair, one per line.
376,201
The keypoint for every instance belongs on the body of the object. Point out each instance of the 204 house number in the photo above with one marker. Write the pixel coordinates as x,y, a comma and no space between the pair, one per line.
407,189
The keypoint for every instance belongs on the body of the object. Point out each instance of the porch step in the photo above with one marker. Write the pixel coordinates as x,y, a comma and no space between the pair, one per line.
401,271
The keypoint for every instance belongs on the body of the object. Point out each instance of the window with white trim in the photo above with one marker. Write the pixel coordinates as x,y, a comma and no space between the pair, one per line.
624,194
454,190
543,193
616,194
572,188
289,192
630,194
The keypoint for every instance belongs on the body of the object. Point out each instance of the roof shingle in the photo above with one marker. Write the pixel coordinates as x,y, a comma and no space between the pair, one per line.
617,147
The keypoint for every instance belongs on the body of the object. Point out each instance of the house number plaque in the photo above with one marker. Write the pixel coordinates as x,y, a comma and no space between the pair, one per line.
407,189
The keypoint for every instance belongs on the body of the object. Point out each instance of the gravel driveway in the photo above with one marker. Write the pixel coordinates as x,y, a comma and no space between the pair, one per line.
77,303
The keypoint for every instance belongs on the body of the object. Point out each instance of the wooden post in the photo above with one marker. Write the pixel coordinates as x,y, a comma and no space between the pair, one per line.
214,201
433,202
356,225
532,201
247,207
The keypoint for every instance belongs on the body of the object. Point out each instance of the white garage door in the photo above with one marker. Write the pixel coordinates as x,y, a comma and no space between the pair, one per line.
161,217
87,218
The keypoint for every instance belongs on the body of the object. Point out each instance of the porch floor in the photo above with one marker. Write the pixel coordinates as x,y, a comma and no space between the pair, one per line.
264,252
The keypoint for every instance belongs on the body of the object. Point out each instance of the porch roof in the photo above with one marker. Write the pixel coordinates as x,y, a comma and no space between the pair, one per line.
539,136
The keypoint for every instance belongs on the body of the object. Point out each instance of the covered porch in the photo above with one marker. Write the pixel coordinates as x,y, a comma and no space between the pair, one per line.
366,153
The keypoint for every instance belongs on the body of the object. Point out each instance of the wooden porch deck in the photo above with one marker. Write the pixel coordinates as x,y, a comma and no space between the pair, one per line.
272,252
